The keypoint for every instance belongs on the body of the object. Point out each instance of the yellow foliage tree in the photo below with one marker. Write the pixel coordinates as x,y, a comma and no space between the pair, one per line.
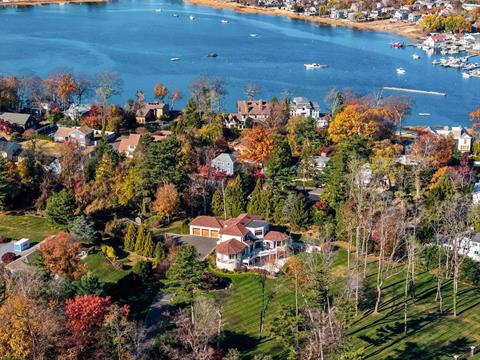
166,201
257,145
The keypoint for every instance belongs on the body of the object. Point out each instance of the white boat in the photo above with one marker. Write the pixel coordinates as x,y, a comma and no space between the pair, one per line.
315,66
401,71
225,21
415,57
175,15
436,62
175,59
465,75
158,10
253,35
424,114
192,17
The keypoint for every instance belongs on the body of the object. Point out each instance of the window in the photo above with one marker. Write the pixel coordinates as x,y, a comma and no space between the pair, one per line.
232,257
258,232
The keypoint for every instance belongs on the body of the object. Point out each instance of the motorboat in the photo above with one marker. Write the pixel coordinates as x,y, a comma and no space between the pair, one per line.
415,57
466,75
175,15
401,71
158,10
175,59
424,114
212,55
225,21
315,66
398,45
192,17
253,35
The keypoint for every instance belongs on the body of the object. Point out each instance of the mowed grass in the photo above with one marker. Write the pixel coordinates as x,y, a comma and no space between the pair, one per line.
242,307
34,228
101,267
431,335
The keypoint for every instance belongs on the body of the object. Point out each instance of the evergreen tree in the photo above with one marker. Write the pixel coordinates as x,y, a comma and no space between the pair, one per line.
148,246
184,275
130,238
140,240
3,183
160,252
191,115
256,203
278,169
61,207
83,229
296,213
217,204
235,198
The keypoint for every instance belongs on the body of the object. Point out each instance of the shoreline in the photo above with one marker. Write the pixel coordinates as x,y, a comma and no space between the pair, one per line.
399,28
29,3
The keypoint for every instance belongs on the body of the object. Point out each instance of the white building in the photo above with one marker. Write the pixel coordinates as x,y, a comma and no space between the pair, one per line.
301,106
457,133
476,194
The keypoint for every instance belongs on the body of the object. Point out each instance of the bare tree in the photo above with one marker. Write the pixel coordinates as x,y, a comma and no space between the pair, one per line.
251,90
84,87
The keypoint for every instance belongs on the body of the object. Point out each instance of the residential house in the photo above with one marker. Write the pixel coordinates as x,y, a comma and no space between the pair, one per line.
414,18
22,121
243,241
224,163
128,145
232,121
150,112
323,121
75,112
435,41
83,135
8,149
321,162
301,106
338,14
257,110
458,133
401,15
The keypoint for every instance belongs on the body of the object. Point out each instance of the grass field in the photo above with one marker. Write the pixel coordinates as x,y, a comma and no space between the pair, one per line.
430,335
101,267
25,226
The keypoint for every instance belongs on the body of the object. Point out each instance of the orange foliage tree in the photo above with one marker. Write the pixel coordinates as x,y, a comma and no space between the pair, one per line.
60,254
166,201
475,118
160,91
257,145
433,151
357,119
66,87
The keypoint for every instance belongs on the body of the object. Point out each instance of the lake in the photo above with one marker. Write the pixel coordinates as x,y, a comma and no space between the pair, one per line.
137,39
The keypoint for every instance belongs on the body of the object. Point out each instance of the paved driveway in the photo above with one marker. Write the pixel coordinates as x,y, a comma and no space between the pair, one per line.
204,245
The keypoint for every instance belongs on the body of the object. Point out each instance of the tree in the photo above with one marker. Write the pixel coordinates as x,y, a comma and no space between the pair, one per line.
84,230
290,328
160,252
67,86
432,23
4,185
88,284
175,96
234,197
255,205
432,150
130,237
140,240
475,119
166,201
160,91
60,254
296,213
148,247
118,334
184,274
85,315
217,204
61,208
257,145
457,24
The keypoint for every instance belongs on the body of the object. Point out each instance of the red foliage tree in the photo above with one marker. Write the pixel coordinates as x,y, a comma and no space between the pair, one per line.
85,315
6,127
8,257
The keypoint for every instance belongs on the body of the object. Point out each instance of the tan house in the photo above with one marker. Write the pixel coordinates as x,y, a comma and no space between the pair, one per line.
129,144
257,110
150,112
84,136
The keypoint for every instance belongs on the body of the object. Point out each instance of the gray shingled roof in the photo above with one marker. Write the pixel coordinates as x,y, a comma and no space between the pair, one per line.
15,118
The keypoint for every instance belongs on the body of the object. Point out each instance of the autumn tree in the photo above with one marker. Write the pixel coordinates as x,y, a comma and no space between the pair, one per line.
257,145
160,91
4,184
475,119
433,150
175,96
67,87
60,254
85,315
166,201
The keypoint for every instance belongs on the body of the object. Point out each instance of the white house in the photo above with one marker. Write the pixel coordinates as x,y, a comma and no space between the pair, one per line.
321,162
476,194
224,163
457,133
244,241
83,135
435,41
301,106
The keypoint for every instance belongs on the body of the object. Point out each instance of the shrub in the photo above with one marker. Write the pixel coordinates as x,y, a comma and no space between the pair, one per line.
8,257
109,252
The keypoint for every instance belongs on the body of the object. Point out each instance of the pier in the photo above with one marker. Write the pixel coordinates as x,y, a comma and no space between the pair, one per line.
435,93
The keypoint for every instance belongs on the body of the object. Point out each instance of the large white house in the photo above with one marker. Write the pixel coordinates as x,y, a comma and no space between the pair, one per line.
243,241
301,106
457,133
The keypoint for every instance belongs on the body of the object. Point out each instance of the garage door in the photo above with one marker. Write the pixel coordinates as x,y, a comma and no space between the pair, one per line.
204,232
214,234
196,231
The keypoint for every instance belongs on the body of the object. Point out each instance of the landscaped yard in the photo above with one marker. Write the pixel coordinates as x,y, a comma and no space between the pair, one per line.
34,228
101,267
430,335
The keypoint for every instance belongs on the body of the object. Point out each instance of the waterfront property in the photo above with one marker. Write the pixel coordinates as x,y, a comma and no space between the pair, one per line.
150,112
256,110
301,106
458,133
129,144
244,241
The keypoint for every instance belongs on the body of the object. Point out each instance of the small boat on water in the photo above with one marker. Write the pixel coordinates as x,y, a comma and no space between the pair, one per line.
466,75
192,17
253,35
315,66
175,15
212,55
175,59
424,114
398,45
401,71
415,57
158,10
225,21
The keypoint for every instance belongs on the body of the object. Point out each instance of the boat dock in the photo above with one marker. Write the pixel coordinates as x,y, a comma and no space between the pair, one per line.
435,93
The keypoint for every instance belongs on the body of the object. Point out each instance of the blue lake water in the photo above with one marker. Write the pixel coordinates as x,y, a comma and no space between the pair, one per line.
136,41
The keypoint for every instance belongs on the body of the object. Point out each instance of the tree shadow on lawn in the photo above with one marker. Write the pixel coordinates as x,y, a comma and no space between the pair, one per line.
241,341
414,351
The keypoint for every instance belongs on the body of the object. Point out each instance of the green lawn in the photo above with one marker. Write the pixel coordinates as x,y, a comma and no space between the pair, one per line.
101,267
242,313
25,226
430,336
